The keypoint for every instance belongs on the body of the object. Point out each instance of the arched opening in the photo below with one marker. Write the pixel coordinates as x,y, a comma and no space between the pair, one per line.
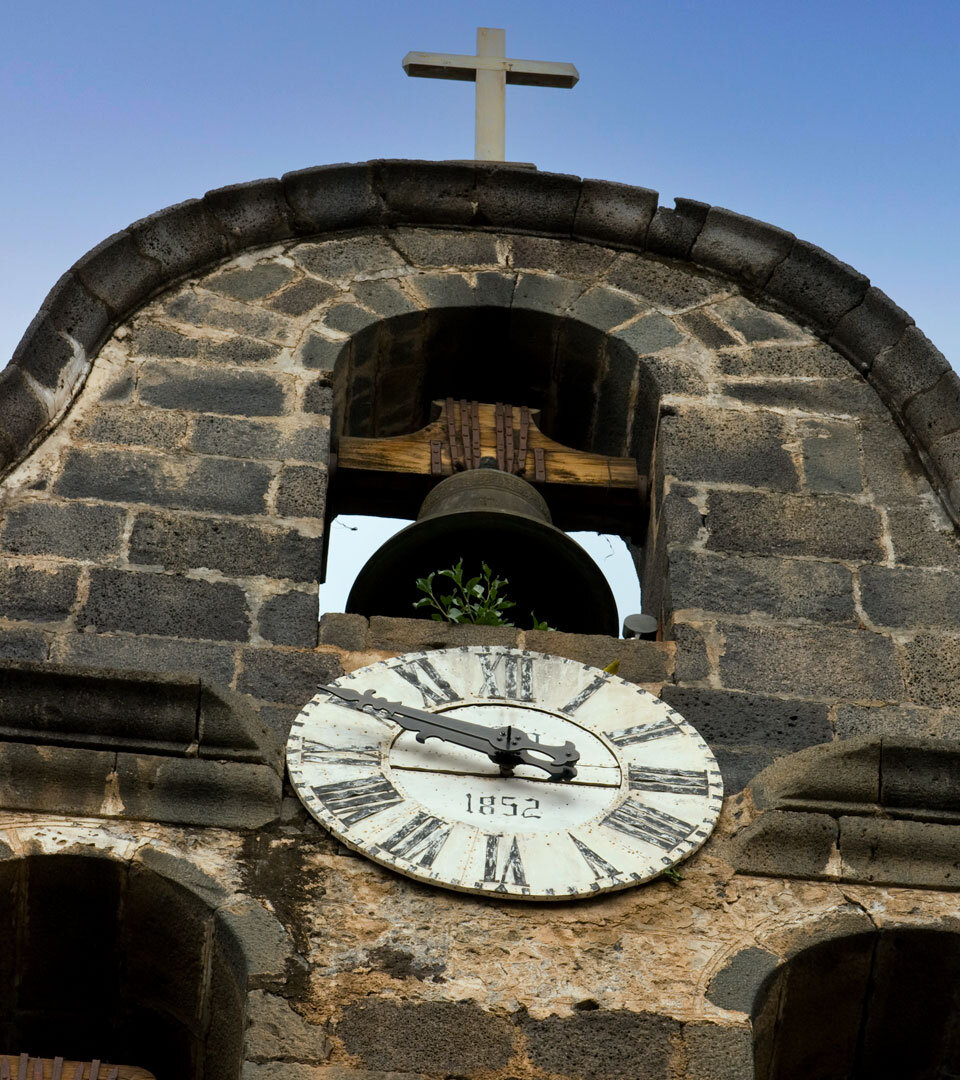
588,386
586,389
109,960
861,1007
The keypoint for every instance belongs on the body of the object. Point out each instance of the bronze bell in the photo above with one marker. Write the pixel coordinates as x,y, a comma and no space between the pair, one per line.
485,515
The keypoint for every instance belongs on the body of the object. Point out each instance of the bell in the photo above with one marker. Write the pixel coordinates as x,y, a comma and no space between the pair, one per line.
488,516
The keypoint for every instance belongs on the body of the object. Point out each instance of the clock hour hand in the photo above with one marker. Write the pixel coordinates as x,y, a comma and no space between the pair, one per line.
507,746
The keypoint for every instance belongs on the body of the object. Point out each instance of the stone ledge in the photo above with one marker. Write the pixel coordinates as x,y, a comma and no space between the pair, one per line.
60,705
650,662
871,811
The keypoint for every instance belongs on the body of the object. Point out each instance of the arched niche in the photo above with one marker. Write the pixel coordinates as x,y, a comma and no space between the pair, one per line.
592,390
110,960
863,1006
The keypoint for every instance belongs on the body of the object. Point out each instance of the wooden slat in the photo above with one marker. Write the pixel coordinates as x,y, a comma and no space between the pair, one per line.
31,1068
411,454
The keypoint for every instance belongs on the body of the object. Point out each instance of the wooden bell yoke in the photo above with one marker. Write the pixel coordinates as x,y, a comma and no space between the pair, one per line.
584,491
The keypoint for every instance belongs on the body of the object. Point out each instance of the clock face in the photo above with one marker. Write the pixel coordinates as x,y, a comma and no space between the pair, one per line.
646,794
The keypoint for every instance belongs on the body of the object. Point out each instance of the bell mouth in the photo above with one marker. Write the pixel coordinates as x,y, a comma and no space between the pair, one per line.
548,574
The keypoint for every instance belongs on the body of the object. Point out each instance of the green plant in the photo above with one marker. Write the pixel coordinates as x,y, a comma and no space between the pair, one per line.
479,600
672,875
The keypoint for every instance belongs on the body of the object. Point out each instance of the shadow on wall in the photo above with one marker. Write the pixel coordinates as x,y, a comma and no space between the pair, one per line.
863,1007
110,961
592,393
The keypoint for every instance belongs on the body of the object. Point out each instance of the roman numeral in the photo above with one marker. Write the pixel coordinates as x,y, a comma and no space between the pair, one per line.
355,800
598,864
640,733
420,840
652,826
512,867
517,672
587,692
433,687
339,755
677,781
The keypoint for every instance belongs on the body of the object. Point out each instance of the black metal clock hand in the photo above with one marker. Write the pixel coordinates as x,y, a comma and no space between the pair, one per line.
507,746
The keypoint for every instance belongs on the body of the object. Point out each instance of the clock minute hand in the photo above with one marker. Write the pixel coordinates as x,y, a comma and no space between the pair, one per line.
508,746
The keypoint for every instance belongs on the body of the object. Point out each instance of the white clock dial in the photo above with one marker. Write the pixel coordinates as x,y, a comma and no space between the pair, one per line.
646,794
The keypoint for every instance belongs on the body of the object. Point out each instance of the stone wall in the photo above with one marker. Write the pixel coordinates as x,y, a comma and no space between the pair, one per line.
797,552
167,423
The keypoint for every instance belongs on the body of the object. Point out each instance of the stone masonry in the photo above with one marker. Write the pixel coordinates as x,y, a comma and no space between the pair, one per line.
167,425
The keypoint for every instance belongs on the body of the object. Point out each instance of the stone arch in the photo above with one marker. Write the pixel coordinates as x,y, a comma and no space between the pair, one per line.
111,281
878,1003
143,962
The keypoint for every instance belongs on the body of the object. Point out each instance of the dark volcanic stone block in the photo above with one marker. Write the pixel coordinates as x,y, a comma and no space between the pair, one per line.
192,791
23,643
133,426
236,548
736,984
183,386
603,1044
817,662
874,325
118,274
344,631
332,197
827,526
742,247
251,213
228,486
426,1036
743,585
428,191
816,361
165,604
831,456
301,297
180,238
912,365
149,339
22,414
817,285
290,619
615,213
43,352
72,530
74,310
935,412
447,247
302,491
729,445
59,779
738,766
782,843
932,669
912,854
673,232
250,282
733,719
523,199
710,333
906,597
37,595
286,676
214,663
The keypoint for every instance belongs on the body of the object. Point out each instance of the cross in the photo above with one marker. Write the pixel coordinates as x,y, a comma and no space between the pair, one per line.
491,70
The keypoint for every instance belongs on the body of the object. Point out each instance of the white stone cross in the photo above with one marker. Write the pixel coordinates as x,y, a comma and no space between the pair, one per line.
492,71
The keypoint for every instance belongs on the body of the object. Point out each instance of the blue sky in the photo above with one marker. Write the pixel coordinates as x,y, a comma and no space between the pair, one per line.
838,121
